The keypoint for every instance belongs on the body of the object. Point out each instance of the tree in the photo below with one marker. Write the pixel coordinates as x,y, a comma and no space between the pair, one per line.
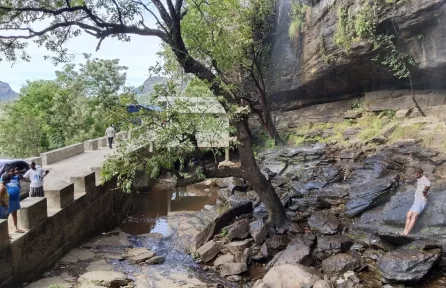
52,114
227,40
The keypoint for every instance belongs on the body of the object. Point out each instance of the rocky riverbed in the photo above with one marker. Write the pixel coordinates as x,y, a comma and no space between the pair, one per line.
346,207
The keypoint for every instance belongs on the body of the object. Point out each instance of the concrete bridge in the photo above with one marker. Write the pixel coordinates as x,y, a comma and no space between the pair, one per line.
75,208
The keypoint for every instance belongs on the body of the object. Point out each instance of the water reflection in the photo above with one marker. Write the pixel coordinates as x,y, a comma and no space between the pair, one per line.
163,200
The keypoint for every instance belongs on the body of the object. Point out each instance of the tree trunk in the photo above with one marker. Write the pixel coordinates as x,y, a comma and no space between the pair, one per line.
413,98
251,173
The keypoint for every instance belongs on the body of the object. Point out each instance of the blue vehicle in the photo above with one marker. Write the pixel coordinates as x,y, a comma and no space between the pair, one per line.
136,108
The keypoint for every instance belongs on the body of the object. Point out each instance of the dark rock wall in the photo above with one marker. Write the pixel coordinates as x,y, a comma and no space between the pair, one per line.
300,74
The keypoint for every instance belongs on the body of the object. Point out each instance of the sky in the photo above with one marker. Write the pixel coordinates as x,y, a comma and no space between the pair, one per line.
138,55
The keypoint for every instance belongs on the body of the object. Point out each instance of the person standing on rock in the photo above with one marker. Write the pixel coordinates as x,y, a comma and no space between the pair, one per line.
420,202
35,175
110,132
13,187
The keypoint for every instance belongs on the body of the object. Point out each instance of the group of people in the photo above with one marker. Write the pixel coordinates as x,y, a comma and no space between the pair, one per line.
10,189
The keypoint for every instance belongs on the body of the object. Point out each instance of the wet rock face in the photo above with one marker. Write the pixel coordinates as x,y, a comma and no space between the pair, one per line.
364,196
324,222
408,264
301,73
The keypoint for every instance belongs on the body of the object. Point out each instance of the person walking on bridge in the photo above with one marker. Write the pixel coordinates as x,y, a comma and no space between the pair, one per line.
110,132
35,175
420,202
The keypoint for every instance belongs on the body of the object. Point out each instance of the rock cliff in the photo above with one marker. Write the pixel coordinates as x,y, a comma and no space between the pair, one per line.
6,93
312,68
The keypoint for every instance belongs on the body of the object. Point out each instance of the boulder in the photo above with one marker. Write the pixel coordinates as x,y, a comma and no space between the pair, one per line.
297,252
279,242
258,231
104,278
238,230
242,257
238,246
224,194
324,222
366,195
264,250
227,258
323,284
335,243
340,263
408,264
233,268
289,276
229,182
209,250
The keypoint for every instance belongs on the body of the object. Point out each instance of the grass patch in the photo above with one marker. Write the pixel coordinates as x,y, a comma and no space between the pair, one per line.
372,126
406,132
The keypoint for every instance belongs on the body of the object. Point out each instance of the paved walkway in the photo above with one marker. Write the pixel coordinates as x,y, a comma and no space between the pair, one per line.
62,171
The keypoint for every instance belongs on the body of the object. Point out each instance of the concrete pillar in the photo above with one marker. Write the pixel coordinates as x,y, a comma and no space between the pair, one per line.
97,172
4,232
61,195
84,182
91,145
226,154
102,142
33,211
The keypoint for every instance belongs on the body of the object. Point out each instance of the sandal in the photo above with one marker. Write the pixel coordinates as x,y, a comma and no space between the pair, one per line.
19,231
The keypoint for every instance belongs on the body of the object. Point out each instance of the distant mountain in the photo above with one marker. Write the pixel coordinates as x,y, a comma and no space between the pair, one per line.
6,93
147,86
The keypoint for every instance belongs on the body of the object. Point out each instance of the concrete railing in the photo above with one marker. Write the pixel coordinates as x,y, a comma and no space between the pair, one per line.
69,214
62,153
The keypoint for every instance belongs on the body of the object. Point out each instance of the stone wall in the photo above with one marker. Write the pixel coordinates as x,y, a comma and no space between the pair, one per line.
69,215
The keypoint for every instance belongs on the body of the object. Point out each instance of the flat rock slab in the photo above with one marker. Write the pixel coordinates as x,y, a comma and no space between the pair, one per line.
105,278
233,268
408,265
120,240
324,222
100,265
76,255
289,276
155,260
339,243
209,250
138,255
46,282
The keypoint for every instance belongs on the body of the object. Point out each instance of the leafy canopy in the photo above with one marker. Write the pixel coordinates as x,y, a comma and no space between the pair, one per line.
74,107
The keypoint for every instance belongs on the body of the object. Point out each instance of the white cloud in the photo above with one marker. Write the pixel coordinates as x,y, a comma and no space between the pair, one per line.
138,55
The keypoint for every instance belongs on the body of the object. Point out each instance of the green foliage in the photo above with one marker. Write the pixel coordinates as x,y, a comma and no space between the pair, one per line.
224,232
353,28
399,63
387,113
297,16
175,132
74,107
357,104
55,286
372,127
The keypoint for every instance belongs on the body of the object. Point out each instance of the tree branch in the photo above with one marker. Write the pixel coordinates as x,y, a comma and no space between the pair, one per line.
119,12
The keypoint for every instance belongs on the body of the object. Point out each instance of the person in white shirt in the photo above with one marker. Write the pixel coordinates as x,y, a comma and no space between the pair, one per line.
110,133
420,201
36,175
